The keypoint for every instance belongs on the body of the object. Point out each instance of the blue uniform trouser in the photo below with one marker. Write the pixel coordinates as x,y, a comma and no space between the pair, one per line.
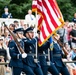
63,70
44,69
53,70
32,70
16,71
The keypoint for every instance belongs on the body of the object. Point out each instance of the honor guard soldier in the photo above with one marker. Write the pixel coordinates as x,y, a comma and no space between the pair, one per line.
16,62
43,59
31,67
57,57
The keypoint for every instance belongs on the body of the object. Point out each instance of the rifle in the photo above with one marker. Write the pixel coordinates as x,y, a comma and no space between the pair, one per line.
15,39
63,48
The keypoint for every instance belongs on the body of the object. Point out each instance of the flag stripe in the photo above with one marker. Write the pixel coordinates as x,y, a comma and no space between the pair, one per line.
54,23
34,5
50,18
44,31
43,34
52,13
41,37
44,25
56,6
53,5
48,24
39,22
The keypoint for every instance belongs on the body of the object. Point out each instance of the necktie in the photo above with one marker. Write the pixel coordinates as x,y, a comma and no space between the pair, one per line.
31,17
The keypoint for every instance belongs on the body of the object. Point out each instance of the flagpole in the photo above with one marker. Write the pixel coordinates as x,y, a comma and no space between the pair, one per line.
35,59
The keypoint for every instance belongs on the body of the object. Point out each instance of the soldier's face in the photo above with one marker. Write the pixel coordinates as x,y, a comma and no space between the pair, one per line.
31,35
56,37
20,34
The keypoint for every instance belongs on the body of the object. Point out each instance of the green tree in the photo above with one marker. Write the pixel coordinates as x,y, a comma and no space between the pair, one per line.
67,8
19,8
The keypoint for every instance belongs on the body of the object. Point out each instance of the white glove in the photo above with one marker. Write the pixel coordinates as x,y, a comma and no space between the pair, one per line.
24,55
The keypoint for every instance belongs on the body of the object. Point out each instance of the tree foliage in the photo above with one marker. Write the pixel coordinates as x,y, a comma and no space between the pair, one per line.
19,8
67,8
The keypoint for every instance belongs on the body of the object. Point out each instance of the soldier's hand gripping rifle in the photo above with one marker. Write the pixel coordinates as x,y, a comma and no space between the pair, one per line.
63,48
15,39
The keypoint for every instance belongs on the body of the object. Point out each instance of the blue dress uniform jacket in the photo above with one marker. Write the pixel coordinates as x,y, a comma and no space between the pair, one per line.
16,58
29,48
57,59
57,55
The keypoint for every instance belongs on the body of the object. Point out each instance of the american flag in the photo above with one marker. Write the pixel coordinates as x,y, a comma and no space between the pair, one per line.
50,18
